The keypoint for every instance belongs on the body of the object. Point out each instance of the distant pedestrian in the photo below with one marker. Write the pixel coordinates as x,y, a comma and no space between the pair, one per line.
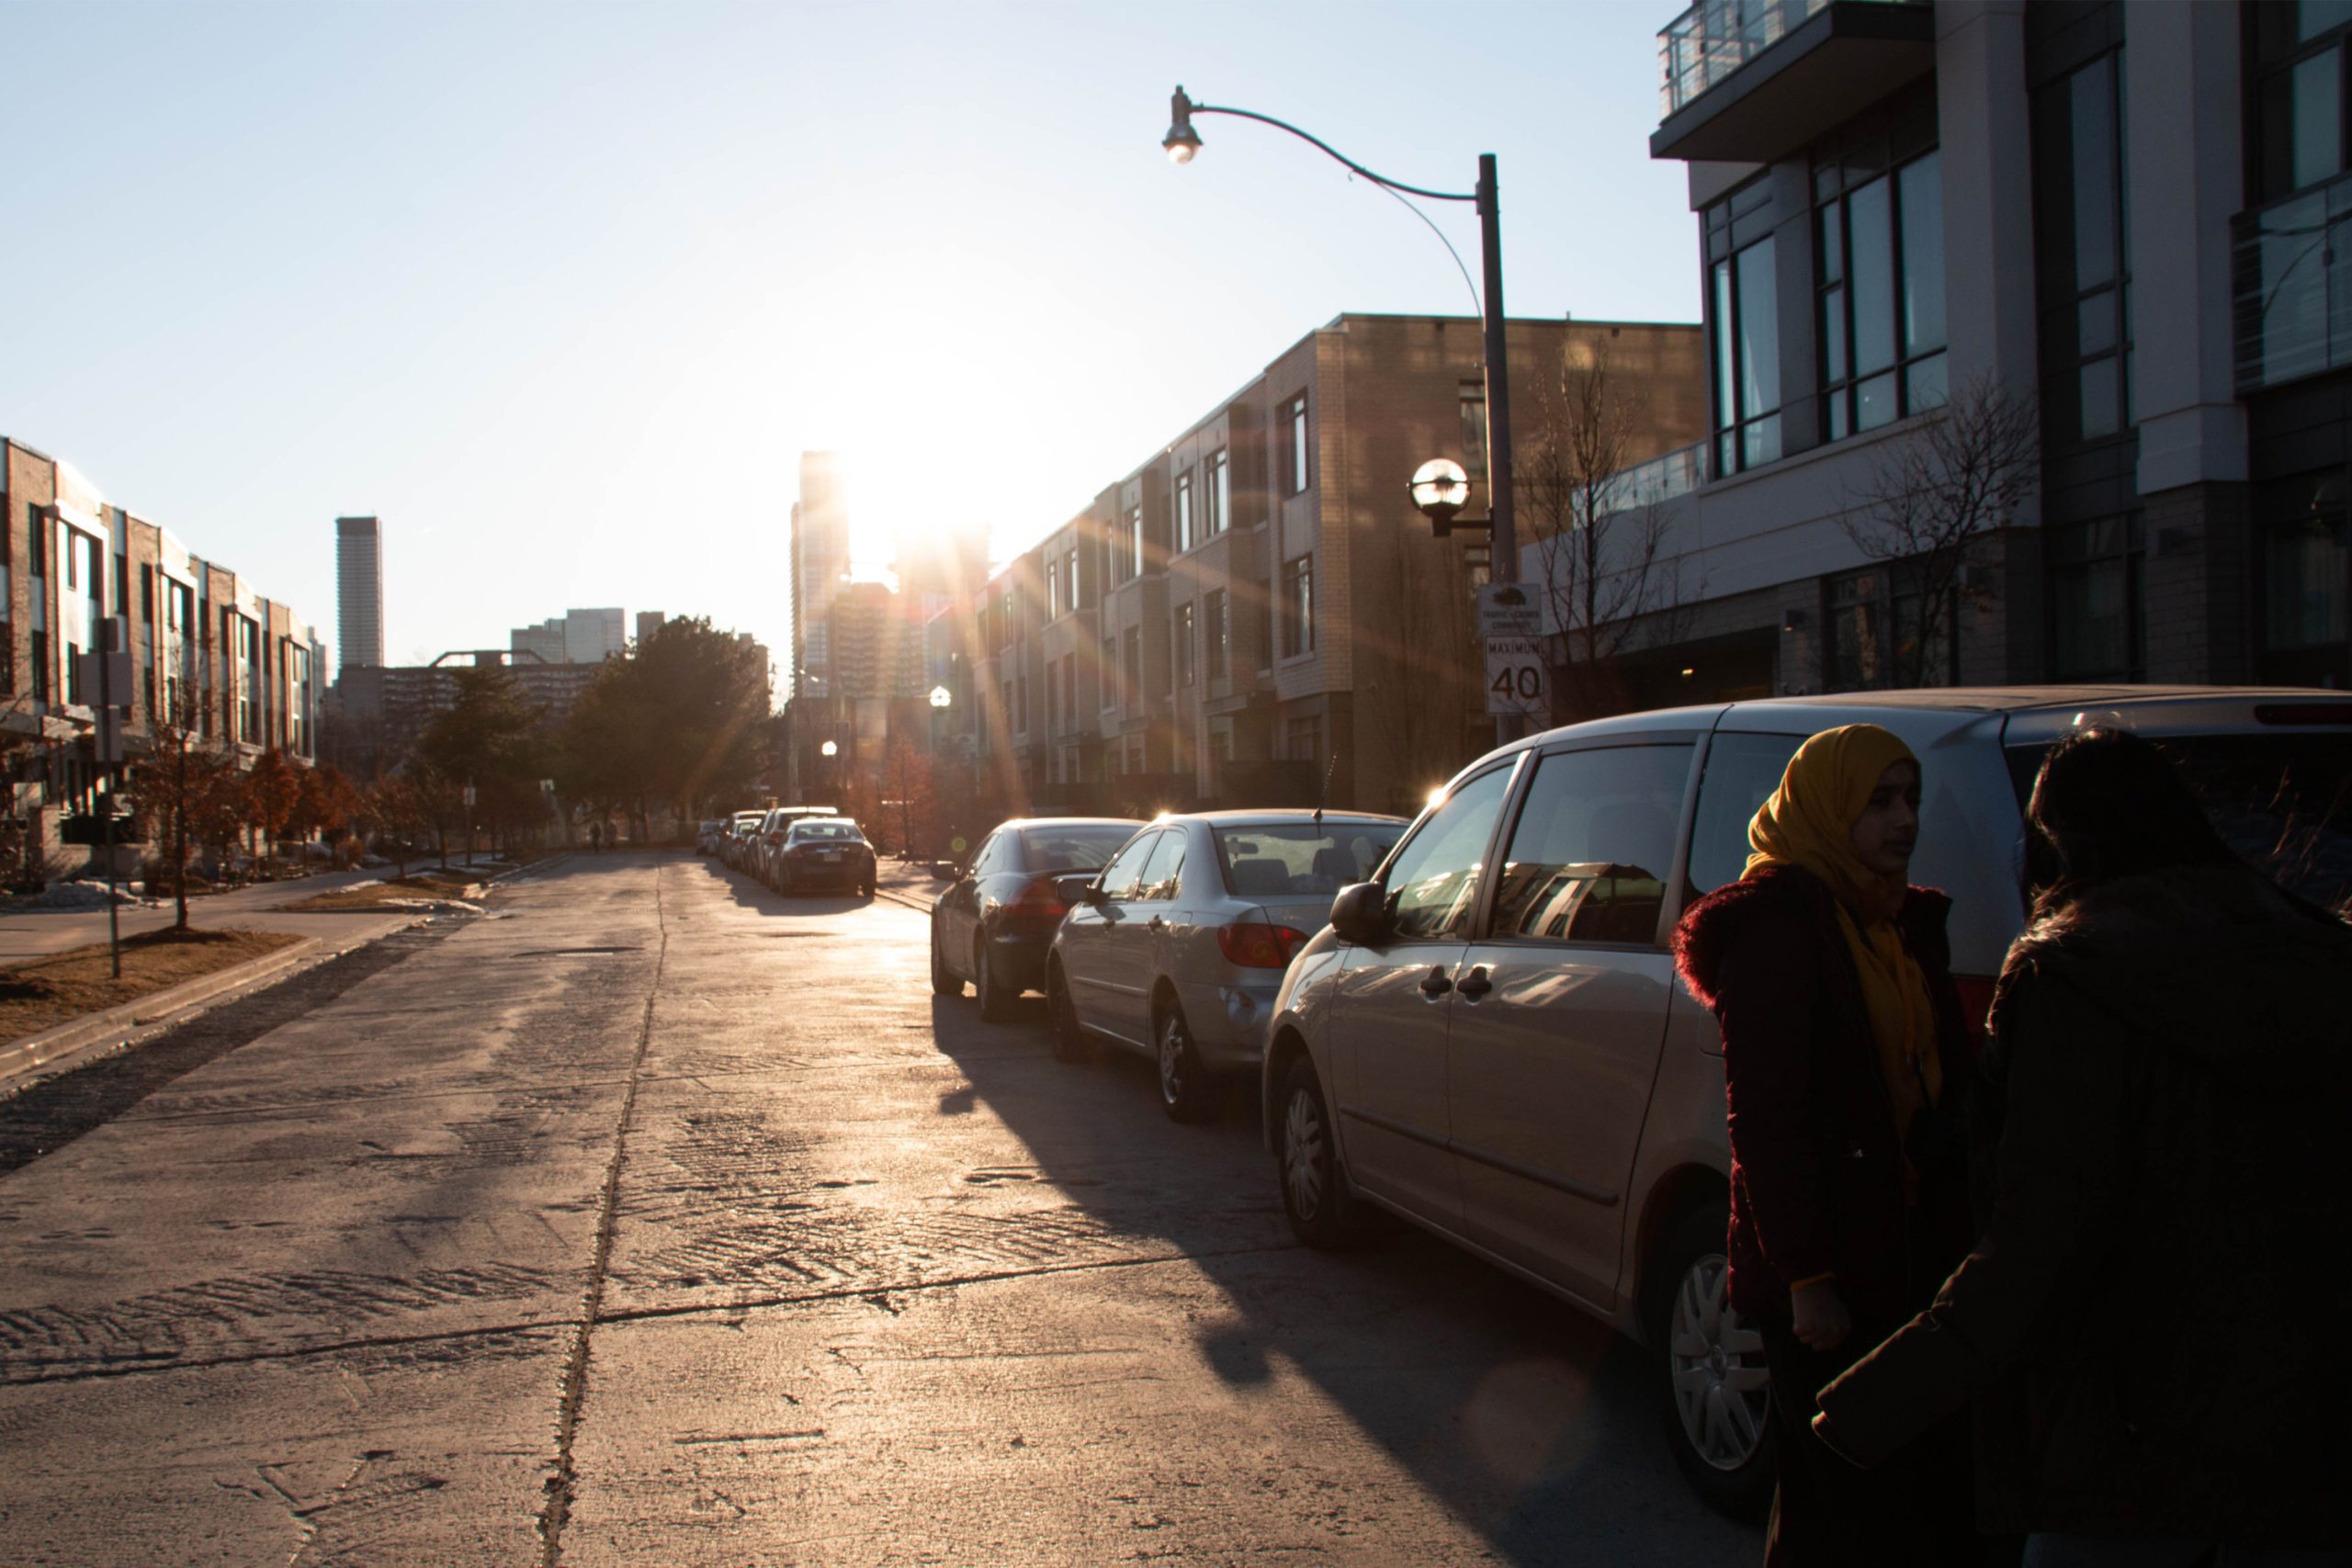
2149,1326
1843,1045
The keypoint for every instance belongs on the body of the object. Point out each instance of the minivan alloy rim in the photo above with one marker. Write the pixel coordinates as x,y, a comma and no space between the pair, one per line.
1302,1153
1721,1388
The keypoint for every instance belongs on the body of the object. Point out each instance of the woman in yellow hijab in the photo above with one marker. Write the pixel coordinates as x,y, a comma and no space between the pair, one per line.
1828,975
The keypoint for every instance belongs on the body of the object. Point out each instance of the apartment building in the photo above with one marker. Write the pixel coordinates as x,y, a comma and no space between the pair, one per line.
209,653
1255,613
2114,219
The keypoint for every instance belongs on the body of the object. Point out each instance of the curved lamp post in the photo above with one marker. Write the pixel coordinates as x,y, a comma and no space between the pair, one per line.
1183,144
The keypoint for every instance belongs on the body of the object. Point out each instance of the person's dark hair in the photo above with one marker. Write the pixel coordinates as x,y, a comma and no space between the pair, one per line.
2106,803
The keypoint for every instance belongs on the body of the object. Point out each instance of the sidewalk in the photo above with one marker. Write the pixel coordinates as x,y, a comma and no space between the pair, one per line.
911,885
38,933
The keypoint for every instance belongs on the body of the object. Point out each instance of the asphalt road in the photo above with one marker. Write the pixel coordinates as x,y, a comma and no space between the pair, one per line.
654,1219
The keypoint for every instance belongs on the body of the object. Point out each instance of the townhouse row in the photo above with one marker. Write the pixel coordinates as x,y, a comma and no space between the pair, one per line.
208,654
1256,615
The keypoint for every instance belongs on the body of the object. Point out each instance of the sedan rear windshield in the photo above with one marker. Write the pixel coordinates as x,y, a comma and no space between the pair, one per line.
844,831
1300,858
1075,848
2282,801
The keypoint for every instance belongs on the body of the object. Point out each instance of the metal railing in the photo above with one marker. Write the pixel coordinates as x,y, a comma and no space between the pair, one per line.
1715,38
2293,287
1663,477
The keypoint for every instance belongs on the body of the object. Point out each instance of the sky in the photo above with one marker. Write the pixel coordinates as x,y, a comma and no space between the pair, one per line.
559,292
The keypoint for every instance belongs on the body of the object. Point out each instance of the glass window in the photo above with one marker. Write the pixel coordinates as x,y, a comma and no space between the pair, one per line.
1080,846
1215,635
2079,232
1473,430
1742,772
1298,598
1135,539
2094,600
1882,287
1184,540
1183,634
1759,356
1122,877
2305,563
1434,879
1288,859
1295,445
1133,647
1165,869
1588,857
1857,656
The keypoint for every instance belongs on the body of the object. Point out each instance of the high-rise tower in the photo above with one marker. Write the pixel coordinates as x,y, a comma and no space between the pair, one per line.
819,562
360,592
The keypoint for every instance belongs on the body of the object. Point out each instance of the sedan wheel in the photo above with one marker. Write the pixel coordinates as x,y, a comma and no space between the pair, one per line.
996,1001
1315,1190
1186,1091
945,982
1720,1418
1070,1043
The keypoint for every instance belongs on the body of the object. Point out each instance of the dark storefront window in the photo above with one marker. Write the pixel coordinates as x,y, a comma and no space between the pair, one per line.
2306,581
1879,271
2080,224
2095,624
1877,624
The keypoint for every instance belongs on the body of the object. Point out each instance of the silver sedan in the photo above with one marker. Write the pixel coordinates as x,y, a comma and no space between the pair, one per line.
1178,947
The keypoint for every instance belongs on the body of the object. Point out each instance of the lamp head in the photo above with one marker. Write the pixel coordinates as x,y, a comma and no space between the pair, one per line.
1181,141
940,696
829,749
1440,489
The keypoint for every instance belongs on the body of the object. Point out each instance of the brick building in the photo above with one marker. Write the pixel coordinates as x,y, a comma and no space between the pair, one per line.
1256,615
209,652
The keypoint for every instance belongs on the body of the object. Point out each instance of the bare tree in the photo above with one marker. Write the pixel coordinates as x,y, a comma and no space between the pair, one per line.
1600,545
1930,492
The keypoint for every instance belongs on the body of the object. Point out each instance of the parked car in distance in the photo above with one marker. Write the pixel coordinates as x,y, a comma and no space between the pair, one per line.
1177,949
706,836
824,851
1491,1041
769,836
994,924
740,829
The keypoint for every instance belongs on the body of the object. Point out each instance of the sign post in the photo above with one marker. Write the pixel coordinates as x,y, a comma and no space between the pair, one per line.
1510,624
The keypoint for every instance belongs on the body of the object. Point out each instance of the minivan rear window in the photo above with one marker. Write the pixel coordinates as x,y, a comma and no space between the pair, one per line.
2283,802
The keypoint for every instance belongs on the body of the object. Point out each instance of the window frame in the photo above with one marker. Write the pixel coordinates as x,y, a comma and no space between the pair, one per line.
1297,447
1187,670
1298,606
1220,493
1185,519
1838,397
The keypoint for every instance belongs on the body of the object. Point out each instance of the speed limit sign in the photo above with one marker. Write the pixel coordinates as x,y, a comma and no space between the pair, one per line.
1517,682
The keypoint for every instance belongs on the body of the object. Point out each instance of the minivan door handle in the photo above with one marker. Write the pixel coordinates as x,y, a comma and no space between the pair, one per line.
1474,985
1435,983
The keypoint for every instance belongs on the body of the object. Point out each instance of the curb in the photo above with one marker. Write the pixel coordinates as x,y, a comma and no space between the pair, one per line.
69,1042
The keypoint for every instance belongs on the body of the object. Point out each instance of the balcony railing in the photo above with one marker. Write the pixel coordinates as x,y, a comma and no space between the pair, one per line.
1663,477
2293,286
1715,38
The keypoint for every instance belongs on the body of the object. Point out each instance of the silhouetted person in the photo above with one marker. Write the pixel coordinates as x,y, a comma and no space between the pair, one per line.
2149,1325
1843,1040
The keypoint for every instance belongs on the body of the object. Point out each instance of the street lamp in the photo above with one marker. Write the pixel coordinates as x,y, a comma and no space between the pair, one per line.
1441,489
940,696
1183,144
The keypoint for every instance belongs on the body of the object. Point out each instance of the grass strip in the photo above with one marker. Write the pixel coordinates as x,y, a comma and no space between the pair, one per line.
46,992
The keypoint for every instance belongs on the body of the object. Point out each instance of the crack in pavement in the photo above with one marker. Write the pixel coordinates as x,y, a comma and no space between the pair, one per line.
559,1482
149,1368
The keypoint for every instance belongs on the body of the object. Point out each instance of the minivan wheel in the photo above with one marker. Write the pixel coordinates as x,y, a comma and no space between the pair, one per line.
1070,1043
996,999
1315,1196
1186,1091
945,982
1717,1395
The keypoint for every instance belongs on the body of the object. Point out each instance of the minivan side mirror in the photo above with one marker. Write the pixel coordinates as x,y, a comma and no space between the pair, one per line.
1360,914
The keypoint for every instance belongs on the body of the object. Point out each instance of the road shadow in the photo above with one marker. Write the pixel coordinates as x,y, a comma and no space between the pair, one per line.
1536,1424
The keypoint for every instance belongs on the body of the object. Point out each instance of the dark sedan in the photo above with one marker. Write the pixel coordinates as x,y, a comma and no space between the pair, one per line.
995,924
824,851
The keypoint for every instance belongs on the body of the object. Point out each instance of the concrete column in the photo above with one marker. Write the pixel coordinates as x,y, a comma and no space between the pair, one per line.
1983,129
2183,163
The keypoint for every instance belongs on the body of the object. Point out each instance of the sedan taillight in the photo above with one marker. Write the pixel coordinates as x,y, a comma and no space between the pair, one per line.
1255,944
1039,900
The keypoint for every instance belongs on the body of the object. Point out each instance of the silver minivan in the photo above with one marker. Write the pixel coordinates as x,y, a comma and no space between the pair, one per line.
1178,945
1490,1040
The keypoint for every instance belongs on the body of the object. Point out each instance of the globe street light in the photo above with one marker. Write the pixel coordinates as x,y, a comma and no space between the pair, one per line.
940,696
1442,490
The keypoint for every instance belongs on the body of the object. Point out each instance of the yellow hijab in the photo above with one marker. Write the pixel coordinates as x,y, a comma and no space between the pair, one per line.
1809,822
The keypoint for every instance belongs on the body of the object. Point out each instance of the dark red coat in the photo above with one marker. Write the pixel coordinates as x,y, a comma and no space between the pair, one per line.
1817,1171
